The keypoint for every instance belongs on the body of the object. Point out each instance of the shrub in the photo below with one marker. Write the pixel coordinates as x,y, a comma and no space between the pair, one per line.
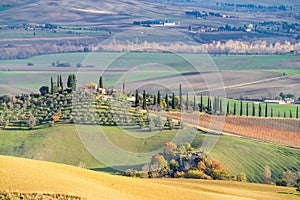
194,173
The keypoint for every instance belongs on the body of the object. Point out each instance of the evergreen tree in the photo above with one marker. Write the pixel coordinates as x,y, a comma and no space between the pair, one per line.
291,114
136,98
228,108
284,114
247,109
241,108
61,83
208,103
234,108
297,113
158,98
180,96
278,115
52,86
124,88
167,100
266,110
259,110
271,112
71,83
173,101
201,103
101,82
144,100
253,110
187,101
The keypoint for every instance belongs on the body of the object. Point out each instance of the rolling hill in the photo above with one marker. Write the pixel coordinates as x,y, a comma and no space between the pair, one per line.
36,176
62,144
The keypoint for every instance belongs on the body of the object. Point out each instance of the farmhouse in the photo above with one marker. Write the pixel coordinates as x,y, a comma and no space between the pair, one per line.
274,102
89,88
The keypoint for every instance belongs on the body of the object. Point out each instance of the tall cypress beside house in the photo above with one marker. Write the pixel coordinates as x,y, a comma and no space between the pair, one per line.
137,98
241,108
167,100
173,101
144,100
266,110
101,82
201,103
158,98
180,96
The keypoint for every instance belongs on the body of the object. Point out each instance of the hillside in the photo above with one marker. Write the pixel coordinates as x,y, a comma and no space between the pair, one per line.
62,144
36,176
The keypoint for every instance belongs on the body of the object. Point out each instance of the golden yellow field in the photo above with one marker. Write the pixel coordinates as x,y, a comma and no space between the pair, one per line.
19,174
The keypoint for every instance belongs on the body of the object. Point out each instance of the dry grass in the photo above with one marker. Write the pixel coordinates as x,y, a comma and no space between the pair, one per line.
37,176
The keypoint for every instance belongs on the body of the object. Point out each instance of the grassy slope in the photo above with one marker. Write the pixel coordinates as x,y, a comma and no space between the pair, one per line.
36,176
62,144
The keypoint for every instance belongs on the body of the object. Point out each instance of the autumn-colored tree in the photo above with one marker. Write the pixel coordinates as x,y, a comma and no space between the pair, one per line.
267,175
169,150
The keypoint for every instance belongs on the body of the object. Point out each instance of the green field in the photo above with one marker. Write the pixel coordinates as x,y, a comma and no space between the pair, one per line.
62,144
180,62
278,109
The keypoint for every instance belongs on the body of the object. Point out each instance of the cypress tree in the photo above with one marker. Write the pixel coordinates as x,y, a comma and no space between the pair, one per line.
137,98
167,100
278,114
194,108
266,110
101,82
247,109
180,96
253,110
234,108
144,100
241,108
208,103
259,110
271,112
61,83
291,114
154,100
173,101
284,114
124,88
187,101
158,98
228,108
201,103
297,113
52,86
